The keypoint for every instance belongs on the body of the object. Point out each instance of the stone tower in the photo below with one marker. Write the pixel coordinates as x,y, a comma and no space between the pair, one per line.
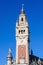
22,39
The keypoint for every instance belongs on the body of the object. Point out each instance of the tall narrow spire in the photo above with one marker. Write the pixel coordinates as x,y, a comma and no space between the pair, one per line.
22,10
10,54
10,50
9,57
22,7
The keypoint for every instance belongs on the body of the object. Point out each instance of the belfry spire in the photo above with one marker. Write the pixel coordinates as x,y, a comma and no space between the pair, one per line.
22,10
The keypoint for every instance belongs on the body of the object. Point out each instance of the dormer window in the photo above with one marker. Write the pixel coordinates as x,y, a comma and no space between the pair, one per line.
21,19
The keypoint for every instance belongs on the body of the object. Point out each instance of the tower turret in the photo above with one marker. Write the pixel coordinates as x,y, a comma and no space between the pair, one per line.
9,57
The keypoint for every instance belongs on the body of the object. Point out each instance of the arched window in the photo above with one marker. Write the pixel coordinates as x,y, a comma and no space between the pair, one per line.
24,31
21,19
19,31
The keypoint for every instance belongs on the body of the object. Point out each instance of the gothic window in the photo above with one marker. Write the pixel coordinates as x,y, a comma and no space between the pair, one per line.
21,19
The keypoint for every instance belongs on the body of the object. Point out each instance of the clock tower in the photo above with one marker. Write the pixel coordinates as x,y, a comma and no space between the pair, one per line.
22,39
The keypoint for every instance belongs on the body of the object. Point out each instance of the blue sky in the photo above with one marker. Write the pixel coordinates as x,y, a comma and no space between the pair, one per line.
9,12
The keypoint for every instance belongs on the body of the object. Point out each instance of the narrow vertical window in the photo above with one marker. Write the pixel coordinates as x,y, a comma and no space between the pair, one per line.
19,31
21,19
24,31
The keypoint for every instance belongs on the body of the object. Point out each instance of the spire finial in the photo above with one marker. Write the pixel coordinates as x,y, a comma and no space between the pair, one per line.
22,11
10,50
22,6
